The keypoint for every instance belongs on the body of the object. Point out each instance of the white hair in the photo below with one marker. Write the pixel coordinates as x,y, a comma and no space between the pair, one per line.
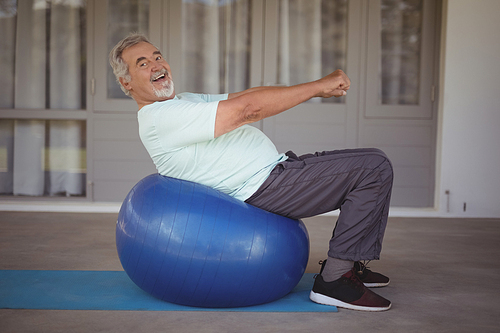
120,67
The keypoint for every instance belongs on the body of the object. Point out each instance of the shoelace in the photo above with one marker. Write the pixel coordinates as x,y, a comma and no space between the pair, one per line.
362,266
321,270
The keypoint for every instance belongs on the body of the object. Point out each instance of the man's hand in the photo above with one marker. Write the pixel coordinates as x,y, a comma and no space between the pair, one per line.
335,84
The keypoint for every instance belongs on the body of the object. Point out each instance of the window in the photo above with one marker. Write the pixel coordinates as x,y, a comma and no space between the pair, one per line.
312,37
401,30
43,58
400,59
216,45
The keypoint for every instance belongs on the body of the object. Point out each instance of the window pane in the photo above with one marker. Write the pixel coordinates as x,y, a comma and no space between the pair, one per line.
42,157
43,54
312,40
124,17
401,31
216,45
8,13
43,66
6,156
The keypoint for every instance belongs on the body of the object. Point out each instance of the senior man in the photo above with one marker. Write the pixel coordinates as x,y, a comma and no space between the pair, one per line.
206,139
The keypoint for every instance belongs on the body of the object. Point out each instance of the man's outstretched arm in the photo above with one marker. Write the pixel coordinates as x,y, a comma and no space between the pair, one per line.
254,89
258,103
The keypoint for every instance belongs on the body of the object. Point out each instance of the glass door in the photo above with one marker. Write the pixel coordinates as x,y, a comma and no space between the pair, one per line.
304,41
400,59
212,46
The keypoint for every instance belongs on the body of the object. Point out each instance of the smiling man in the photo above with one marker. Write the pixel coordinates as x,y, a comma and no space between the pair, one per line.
206,139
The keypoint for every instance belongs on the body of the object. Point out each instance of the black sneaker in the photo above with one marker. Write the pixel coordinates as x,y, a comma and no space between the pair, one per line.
369,278
347,292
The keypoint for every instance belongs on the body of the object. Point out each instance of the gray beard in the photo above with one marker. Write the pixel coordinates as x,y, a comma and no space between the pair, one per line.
166,91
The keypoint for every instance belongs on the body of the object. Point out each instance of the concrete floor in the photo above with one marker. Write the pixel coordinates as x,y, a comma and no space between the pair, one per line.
444,278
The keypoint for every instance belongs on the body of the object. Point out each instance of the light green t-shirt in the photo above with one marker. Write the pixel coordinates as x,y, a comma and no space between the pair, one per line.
179,136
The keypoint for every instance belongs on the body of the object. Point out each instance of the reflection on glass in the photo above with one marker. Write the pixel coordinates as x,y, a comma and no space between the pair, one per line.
43,54
42,157
43,66
124,17
216,45
401,32
312,40
8,13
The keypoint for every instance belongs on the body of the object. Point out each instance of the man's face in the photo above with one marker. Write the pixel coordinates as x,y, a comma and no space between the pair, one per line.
151,79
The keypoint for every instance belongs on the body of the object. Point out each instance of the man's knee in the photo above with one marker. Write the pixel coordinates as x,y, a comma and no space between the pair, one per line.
388,170
378,152
383,163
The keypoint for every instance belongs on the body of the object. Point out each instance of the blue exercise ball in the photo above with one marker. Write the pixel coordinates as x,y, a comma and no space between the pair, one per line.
189,244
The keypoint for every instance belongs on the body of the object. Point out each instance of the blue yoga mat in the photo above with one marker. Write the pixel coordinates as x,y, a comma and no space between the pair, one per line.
113,290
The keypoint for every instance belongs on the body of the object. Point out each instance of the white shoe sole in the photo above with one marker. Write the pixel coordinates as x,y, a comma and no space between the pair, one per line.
376,285
322,299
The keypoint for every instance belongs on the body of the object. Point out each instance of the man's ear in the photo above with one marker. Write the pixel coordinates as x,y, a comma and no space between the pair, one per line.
125,84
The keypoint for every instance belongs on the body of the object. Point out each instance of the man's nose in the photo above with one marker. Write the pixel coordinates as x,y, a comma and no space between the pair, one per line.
156,66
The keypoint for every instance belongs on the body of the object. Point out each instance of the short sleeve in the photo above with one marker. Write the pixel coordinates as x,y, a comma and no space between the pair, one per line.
181,123
217,97
202,97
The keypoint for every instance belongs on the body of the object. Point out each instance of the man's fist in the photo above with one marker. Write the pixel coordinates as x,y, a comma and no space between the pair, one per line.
335,84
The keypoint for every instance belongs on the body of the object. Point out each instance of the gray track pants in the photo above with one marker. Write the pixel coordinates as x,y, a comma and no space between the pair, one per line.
356,181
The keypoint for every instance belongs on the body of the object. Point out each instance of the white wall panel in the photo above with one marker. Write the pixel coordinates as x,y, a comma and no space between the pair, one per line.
112,191
420,197
401,134
470,136
119,158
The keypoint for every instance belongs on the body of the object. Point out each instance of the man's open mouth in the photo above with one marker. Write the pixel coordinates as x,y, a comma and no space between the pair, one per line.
158,76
